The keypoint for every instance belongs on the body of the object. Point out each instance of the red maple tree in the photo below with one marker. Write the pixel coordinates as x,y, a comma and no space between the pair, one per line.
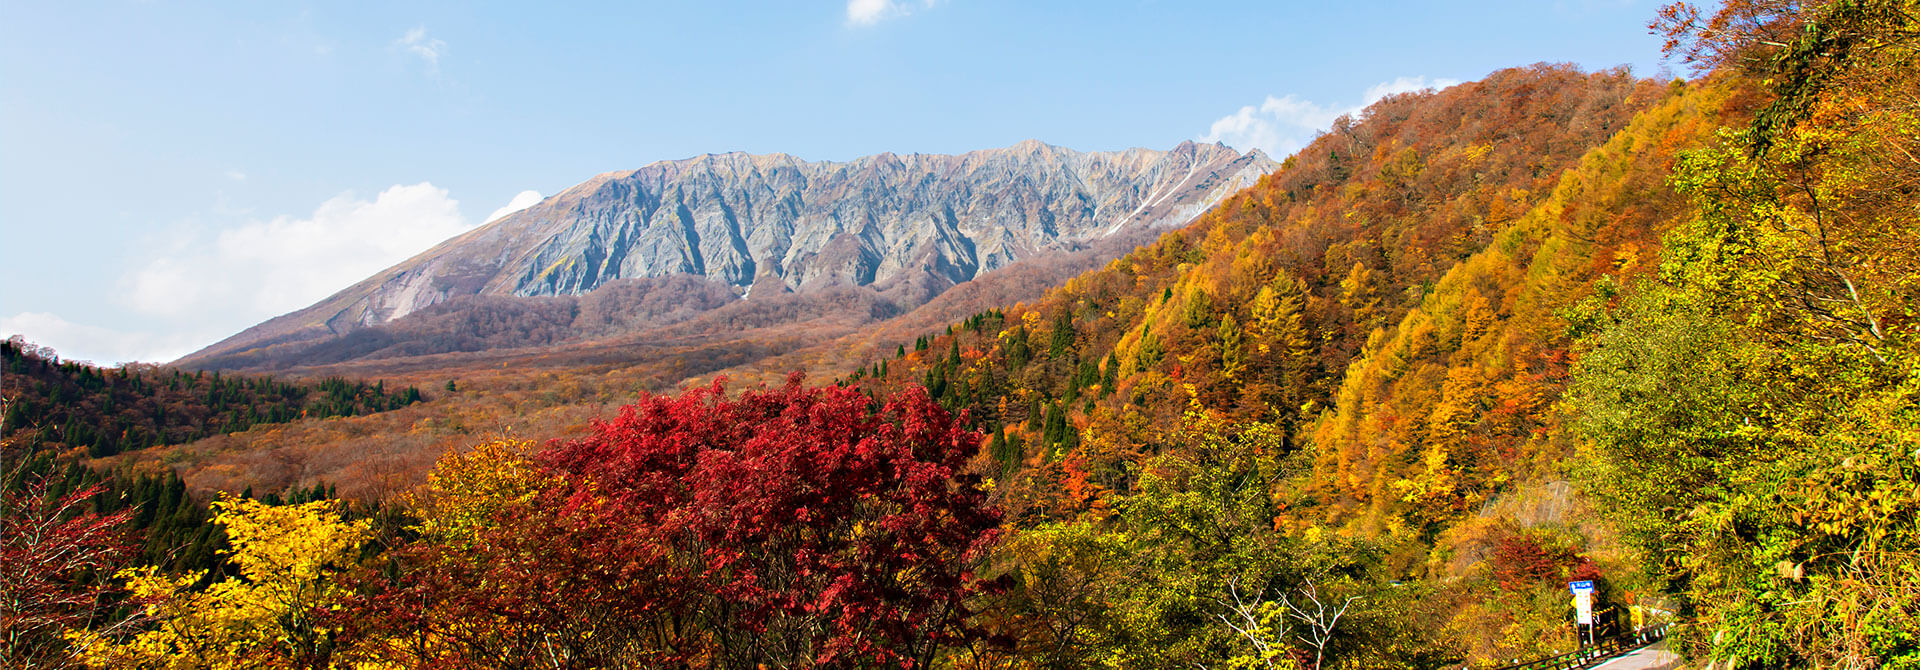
793,527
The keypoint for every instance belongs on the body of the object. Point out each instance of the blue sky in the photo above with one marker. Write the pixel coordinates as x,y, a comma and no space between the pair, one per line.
171,173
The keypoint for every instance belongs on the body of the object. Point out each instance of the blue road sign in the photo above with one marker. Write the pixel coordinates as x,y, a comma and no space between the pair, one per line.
1581,586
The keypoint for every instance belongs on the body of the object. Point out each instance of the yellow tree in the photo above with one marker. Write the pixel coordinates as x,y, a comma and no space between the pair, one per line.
1360,292
1232,347
268,617
460,505
467,489
1279,311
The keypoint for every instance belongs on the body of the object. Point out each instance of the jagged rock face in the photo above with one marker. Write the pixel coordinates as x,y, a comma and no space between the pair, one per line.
729,217
766,220
863,221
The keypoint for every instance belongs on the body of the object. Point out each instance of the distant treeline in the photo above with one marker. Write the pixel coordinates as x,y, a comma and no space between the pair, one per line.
55,404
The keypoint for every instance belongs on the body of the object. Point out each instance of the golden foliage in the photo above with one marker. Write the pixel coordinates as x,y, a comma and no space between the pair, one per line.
264,618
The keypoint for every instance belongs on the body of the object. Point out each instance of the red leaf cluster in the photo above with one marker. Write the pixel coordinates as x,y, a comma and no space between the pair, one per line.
794,527
1520,561
54,556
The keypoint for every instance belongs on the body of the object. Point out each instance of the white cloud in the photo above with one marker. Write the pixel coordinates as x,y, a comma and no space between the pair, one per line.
236,175
81,342
200,286
1281,126
869,12
520,201
1400,85
262,269
428,49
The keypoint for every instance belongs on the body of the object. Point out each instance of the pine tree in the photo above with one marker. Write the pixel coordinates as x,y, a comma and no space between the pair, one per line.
1199,312
1110,378
1018,354
1150,350
1062,341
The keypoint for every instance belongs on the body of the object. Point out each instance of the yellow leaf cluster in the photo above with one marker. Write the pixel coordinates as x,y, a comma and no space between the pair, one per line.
264,618
466,489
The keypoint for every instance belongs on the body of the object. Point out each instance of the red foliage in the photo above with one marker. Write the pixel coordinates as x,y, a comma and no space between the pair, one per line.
796,527
1519,561
53,559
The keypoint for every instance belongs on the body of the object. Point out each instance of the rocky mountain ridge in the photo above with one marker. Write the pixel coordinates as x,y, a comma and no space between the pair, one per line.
911,225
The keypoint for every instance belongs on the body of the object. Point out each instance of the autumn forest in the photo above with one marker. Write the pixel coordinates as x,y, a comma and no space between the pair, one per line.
1375,411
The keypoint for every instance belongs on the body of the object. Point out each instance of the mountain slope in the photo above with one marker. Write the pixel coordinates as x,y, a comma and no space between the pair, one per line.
917,224
1384,318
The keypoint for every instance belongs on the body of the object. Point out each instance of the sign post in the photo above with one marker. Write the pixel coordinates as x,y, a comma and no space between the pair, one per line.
1583,605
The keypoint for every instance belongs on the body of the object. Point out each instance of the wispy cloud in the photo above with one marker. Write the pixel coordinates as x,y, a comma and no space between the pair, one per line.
429,49
83,342
862,13
201,286
1281,126
245,274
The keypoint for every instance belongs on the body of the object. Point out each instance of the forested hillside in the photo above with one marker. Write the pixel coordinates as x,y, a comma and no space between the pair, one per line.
1375,411
1704,322
1385,315
52,404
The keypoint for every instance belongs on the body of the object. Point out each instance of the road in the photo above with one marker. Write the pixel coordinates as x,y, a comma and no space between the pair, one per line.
1651,657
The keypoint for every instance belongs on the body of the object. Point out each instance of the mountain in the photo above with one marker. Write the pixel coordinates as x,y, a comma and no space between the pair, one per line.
1376,410
748,225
